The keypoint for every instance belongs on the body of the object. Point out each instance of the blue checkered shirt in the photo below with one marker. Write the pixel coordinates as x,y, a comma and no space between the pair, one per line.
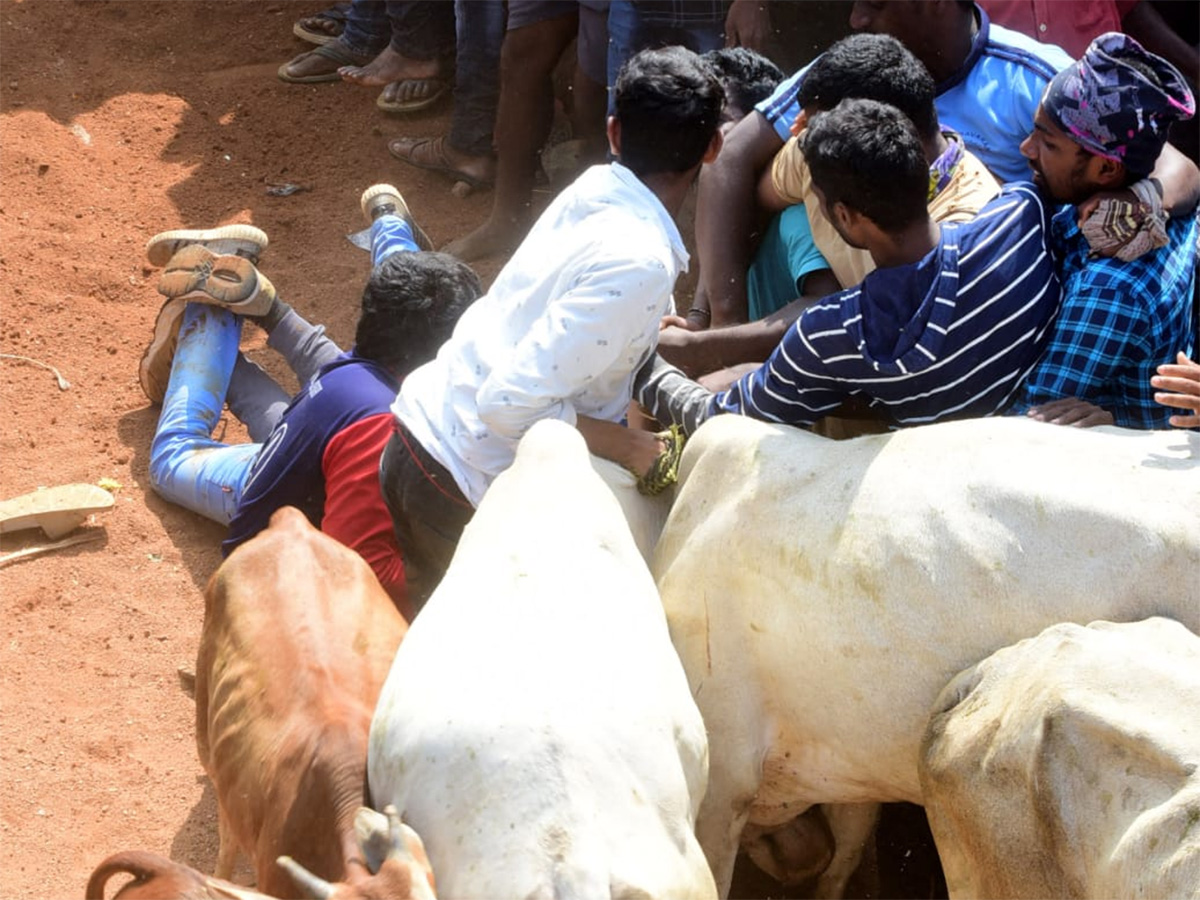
1118,322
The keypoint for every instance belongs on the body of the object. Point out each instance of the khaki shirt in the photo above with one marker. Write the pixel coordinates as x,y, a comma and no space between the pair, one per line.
970,187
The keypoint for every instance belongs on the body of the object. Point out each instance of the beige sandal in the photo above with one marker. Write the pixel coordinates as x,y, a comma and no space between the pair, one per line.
56,510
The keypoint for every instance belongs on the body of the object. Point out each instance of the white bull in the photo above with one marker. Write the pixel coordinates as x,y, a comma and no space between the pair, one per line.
536,719
821,594
1068,765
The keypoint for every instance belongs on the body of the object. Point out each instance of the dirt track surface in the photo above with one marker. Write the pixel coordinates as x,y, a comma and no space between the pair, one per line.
120,120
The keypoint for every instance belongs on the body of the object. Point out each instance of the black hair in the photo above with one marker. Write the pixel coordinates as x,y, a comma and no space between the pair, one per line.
747,76
872,67
867,155
668,102
410,306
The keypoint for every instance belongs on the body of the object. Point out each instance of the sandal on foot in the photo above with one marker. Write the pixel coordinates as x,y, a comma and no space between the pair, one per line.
333,55
429,91
433,151
334,16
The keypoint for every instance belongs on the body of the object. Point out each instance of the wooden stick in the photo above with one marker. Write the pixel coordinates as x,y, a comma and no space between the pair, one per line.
46,548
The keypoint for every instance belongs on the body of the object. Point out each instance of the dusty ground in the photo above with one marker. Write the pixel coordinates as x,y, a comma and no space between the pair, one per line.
121,119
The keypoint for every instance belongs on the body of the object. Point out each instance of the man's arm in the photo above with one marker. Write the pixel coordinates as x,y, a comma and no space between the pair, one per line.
700,352
632,448
727,216
1180,180
748,24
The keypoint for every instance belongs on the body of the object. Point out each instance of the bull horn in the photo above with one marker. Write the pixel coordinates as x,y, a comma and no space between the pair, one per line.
314,887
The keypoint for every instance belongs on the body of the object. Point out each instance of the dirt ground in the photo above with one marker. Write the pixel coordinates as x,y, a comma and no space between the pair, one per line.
122,119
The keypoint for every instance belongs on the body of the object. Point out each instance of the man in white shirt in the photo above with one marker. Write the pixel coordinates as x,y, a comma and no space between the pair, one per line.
567,323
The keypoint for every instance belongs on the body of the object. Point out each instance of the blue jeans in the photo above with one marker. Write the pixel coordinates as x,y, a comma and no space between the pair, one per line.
480,32
367,30
417,29
187,466
629,33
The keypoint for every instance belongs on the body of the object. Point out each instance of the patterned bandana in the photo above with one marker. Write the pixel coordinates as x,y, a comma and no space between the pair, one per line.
1113,110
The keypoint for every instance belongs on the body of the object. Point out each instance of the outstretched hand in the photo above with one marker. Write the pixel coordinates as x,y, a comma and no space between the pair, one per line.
1179,387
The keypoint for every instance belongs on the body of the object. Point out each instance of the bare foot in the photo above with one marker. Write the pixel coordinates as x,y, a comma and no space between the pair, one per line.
390,66
490,238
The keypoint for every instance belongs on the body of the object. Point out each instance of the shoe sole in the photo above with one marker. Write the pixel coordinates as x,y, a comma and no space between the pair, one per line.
313,37
154,368
228,239
198,275
378,190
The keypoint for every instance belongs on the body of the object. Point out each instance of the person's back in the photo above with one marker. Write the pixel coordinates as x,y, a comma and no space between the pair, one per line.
948,337
568,321
560,332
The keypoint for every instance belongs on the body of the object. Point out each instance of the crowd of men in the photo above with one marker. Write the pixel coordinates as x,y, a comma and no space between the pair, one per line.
939,218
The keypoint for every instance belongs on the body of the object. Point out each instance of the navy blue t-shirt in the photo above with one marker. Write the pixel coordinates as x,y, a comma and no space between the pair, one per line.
289,470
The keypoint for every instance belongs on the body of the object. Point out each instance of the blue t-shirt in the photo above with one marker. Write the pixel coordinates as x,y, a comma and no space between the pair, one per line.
951,336
786,256
990,100
1119,321
288,471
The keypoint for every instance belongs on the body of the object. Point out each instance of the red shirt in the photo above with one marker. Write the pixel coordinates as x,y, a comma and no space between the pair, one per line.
1072,24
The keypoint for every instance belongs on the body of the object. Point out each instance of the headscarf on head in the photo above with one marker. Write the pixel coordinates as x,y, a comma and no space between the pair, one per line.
1113,110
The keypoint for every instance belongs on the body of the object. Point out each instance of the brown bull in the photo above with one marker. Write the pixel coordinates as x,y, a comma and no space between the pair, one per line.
158,878
298,639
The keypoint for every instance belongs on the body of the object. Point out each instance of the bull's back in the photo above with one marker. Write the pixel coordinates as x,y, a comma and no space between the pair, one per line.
297,641
1069,765
855,578
536,710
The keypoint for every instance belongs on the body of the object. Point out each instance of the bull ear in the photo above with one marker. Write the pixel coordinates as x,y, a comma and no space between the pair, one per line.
371,831
312,886
399,836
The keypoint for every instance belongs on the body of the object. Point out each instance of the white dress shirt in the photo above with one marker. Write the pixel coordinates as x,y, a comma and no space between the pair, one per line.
567,323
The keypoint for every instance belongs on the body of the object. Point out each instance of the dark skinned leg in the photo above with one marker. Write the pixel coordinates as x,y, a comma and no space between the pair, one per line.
523,121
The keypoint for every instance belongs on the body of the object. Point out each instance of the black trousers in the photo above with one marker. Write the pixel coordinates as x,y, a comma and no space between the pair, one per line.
428,510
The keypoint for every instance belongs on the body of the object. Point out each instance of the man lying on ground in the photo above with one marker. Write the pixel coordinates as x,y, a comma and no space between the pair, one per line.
318,451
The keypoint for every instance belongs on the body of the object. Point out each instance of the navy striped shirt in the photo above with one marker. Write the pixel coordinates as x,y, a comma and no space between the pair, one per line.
952,336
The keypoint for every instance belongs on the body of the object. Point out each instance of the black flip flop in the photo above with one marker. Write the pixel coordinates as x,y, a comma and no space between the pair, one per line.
332,51
335,14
